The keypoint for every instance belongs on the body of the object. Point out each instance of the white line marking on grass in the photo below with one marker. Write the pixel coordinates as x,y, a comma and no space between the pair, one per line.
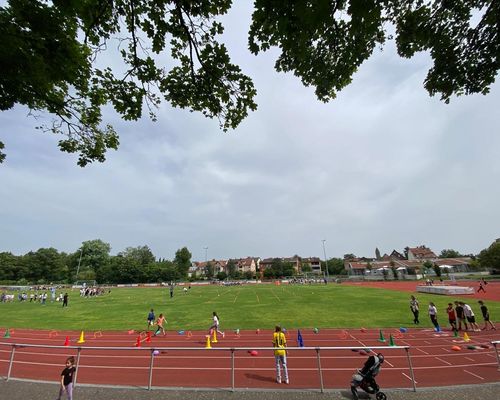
440,359
419,349
477,376
470,359
406,376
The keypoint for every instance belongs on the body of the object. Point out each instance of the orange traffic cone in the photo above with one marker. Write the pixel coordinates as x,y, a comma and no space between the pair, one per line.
148,337
66,342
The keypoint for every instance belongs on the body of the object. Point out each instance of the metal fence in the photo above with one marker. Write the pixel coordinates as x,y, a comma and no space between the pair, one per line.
152,351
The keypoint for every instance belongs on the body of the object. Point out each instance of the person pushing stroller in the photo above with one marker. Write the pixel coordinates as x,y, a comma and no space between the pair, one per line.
364,378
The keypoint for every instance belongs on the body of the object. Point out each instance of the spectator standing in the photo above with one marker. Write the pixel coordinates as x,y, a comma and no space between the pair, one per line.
279,344
65,300
414,309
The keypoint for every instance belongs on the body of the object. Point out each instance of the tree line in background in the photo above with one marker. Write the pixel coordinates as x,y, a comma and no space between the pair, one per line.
92,261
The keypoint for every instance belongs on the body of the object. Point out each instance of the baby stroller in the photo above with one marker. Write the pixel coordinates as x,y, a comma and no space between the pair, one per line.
364,378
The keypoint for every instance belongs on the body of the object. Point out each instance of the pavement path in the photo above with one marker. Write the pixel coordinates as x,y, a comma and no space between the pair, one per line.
21,390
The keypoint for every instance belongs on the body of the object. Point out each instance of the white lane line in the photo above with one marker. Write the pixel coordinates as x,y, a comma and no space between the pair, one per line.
426,341
406,376
423,351
477,376
470,359
448,351
440,359
405,343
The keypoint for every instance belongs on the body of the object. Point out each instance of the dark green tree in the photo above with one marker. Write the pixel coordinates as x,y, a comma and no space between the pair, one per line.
336,266
232,271
449,253
182,261
92,256
490,258
51,51
377,254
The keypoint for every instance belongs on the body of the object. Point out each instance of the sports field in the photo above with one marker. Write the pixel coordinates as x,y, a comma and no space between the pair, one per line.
239,307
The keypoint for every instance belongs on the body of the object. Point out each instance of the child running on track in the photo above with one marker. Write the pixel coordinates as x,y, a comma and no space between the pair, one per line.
215,324
67,379
159,325
151,318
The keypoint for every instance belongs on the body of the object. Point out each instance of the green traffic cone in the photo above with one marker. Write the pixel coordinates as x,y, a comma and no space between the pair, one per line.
7,334
381,337
391,341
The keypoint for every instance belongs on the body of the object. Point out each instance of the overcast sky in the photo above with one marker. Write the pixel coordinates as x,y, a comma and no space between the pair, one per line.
384,165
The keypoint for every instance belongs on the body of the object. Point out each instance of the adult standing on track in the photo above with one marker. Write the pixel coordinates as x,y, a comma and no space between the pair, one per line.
279,344
414,309
433,316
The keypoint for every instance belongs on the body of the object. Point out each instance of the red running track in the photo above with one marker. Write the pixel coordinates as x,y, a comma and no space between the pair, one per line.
434,362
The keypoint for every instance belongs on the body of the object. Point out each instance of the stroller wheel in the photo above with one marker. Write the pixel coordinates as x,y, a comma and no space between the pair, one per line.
380,396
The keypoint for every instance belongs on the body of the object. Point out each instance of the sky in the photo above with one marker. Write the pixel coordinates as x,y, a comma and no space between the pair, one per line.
382,166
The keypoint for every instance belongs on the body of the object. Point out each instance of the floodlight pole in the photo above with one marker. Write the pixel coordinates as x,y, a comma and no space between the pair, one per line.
326,261
206,249
79,262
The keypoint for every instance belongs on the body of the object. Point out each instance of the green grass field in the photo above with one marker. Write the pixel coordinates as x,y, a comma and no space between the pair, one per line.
243,307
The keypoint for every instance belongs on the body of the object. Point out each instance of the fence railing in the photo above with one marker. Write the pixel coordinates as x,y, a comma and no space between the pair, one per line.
495,345
231,350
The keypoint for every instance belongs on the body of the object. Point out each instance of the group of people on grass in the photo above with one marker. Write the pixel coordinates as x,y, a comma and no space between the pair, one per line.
459,314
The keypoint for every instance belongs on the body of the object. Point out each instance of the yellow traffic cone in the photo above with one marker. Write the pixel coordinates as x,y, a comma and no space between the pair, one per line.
214,336
208,345
82,338
466,337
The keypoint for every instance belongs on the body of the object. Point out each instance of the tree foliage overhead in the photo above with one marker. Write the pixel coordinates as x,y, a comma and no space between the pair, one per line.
52,51
49,57
325,41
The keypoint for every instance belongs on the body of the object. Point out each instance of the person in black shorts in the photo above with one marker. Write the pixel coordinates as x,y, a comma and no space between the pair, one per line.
459,310
486,316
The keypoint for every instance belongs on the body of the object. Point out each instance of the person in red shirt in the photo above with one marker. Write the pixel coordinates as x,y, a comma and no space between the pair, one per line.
452,317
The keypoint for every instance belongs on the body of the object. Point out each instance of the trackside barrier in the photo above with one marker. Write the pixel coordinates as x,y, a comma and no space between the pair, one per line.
495,345
230,350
